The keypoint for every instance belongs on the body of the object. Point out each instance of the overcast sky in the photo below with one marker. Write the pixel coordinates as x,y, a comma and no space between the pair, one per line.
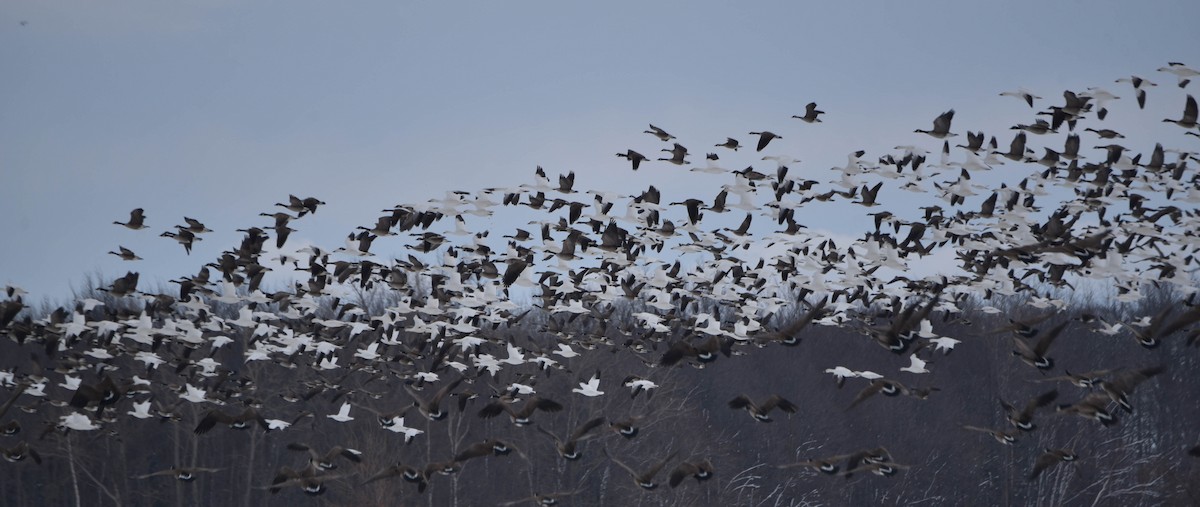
218,109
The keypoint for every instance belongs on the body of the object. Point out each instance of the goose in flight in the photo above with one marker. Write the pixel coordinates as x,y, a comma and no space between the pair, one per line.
702,470
1122,385
235,421
811,113
126,254
730,143
326,461
1035,355
184,236
431,408
1023,94
941,126
408,473
301,206
678,152
764,137
567,447
522,416
1181,71
19,452
1006,437
633,157
591,388
644,479
490,447
1094,406
1023,418
1050,458
1188,121
136,220
760,412
661,134
540,498
1139,88
185,474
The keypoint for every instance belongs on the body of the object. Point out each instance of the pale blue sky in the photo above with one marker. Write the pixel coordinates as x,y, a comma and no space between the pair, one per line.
216,110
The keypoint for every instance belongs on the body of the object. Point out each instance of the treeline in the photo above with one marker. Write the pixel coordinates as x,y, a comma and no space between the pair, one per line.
1142,459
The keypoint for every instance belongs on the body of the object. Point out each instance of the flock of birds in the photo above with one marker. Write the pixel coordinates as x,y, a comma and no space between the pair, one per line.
698,292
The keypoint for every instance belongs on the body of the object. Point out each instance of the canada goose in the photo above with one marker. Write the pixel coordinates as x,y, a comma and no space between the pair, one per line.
520,417
1050,458
1016,149
184,237
540,498
869,195
1123,384
1006,437
19,452
704,352
1188,121
1021,327
136,220
194,226
104,393
408,473
882,468
126,254
941,126
491,447
760,412
431,408
627,427
764,137
633,157
1094,406
1149,331
828,466
730,143
867,459
1105,133
1023,418
301,206
661,134
974,144
790,335
702,470
123,286
1181,71
449,467
325,461
1084,380
308,479
185,474
645,479
811,113
879,385
235,421
566,447
678,152
1038,127
1036,355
